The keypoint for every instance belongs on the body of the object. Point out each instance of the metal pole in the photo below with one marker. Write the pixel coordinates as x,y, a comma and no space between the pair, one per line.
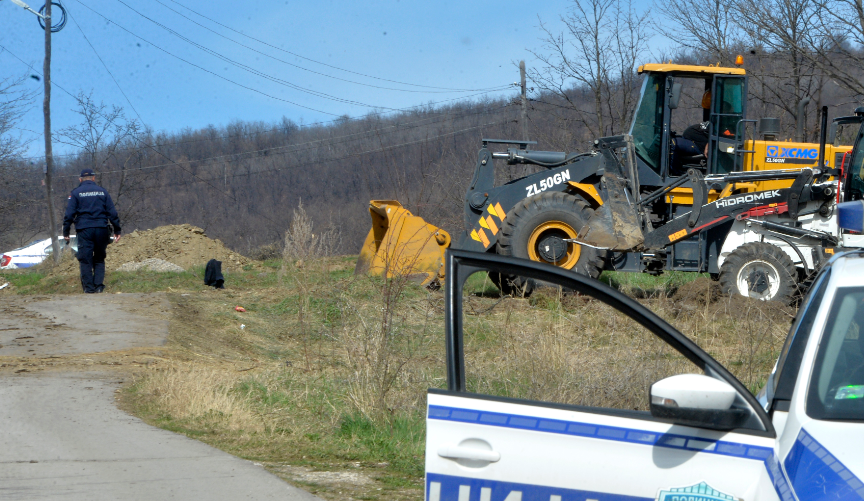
524,118
823,132
49,159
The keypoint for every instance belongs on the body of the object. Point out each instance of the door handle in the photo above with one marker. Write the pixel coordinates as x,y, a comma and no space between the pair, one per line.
456,452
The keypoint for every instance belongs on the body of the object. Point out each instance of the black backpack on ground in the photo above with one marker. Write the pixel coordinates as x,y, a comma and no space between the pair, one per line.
213,274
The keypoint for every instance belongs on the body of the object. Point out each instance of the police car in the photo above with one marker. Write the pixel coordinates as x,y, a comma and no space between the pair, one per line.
706,437
32,254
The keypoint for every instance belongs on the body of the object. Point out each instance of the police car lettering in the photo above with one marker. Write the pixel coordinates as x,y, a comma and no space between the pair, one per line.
485,493
548,183
92,194
753,197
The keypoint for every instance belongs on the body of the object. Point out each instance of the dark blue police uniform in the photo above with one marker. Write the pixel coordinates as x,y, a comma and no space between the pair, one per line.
90,208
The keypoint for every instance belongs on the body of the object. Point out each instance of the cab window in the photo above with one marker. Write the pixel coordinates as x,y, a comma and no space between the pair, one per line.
647,129
857,173
837,384
728,108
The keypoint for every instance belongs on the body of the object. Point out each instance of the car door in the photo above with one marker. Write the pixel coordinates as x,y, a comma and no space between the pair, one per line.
482,447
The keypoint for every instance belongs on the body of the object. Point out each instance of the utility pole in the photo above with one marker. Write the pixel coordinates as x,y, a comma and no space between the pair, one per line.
49,156
524,118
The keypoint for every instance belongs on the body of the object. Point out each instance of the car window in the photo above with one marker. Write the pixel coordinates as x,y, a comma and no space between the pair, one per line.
562,349
793,349
837,383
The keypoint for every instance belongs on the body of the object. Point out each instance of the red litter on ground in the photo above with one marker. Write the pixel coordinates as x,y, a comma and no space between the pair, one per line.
240,309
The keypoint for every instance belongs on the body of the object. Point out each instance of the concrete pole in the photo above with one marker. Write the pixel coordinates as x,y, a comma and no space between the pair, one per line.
49,155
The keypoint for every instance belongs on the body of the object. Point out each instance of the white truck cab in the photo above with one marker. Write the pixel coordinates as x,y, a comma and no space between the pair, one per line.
706,436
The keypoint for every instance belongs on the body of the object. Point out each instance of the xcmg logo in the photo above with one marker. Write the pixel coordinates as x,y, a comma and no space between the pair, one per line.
780,152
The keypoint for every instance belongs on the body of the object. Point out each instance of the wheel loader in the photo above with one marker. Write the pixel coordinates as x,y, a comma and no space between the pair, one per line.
612,208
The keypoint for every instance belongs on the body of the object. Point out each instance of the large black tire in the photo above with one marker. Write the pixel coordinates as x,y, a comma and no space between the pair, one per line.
535,229
759,270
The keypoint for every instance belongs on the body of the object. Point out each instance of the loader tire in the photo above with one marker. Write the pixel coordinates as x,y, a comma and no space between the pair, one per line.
535,228
761,271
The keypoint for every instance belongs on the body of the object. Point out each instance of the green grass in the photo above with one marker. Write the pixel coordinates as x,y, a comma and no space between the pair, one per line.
38,282
25,279
666,282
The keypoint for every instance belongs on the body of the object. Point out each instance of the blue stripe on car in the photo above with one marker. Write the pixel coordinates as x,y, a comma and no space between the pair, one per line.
816,474
602,432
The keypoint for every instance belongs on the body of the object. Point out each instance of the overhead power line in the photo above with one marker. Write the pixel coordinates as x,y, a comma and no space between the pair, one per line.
205,69
311,163
273,151
240,65
320,62
105,66
489,89
431,103
355,136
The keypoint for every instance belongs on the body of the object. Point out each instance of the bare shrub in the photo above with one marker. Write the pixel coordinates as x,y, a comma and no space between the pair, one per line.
381,340
301,242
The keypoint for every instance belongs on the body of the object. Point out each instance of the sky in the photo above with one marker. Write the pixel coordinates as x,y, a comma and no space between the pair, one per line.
341,52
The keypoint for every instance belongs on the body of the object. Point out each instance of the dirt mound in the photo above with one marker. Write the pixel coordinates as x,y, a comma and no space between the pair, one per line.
184,245
702,291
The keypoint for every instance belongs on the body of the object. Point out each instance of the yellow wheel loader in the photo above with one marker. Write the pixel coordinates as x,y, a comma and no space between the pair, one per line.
626,186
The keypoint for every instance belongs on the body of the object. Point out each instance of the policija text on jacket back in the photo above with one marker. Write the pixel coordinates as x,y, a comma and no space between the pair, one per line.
91,209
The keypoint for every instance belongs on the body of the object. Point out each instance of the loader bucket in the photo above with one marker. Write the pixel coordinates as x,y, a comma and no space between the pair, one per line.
615,224
401,243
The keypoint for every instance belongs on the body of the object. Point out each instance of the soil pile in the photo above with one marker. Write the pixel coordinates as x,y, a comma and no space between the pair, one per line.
702,291
183,245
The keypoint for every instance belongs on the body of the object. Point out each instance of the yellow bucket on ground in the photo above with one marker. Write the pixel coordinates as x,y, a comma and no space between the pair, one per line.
402,244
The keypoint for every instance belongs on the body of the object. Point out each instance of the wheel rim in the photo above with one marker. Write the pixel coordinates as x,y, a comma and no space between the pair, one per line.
546,245
759,280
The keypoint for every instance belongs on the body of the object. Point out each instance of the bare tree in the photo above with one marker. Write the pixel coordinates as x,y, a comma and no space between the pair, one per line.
782,34
15,199
598,52
826,34
706,26
14,101
109,141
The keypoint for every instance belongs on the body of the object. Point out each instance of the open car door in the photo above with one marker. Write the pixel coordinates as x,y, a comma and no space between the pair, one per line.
488,447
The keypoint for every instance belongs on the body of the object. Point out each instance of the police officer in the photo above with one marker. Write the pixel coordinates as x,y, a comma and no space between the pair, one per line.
91,208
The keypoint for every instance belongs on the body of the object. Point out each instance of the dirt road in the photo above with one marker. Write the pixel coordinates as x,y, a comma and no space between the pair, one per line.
62,359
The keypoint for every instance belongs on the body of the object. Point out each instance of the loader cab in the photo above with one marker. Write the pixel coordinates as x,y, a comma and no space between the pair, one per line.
675,97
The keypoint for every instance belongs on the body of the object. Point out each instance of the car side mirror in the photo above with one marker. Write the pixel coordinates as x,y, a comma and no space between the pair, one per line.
696,400
675,96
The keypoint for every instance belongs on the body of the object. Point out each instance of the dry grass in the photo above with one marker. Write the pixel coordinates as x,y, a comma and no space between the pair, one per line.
202,392
574,350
